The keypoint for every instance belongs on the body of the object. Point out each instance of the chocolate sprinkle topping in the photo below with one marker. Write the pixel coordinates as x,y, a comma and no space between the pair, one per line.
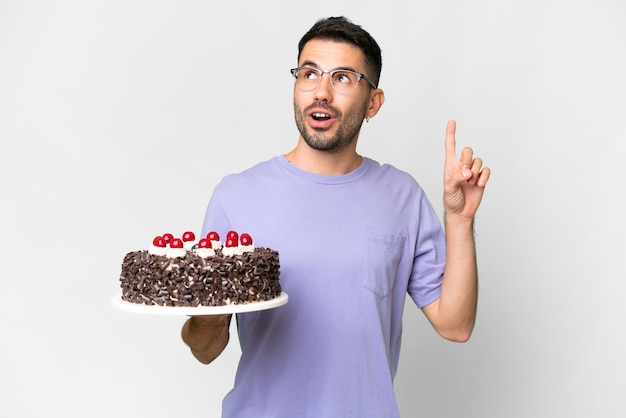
195,281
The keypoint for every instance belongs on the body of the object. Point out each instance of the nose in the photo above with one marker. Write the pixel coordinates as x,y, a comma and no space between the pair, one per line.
324,90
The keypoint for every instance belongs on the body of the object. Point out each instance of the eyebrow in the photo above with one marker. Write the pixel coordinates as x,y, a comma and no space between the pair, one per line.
309,63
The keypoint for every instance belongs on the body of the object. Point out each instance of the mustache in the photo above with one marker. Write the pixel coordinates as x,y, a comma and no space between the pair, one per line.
324,106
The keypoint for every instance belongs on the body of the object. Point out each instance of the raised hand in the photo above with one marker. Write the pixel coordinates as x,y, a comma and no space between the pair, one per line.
464,178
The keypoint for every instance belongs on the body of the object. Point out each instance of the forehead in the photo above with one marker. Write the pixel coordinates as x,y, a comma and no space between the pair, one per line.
330,55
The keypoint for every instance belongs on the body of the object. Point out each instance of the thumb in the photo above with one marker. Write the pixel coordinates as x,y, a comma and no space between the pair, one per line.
457,178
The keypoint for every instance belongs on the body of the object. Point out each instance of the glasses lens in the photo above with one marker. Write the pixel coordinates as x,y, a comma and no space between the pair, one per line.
307,78
344,81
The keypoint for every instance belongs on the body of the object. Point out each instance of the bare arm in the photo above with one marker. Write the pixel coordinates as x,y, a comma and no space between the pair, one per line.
206,336
453,315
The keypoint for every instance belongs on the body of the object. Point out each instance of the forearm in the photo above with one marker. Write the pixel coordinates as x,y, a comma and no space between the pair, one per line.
456,308
206,336
453,315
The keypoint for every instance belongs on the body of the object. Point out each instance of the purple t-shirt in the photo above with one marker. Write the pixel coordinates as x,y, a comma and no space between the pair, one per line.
351,247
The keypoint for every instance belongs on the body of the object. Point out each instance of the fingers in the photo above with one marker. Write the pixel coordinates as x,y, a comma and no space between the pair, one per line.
210,320
472,169
484,177
475,174
466,157
451,140
466,154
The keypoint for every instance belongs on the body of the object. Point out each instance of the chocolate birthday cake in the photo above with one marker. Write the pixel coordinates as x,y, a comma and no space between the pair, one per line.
181,272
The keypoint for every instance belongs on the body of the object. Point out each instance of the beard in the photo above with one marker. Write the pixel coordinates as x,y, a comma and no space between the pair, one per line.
346,132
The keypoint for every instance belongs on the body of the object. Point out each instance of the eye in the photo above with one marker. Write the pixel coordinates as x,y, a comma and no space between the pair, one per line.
344,77
308,74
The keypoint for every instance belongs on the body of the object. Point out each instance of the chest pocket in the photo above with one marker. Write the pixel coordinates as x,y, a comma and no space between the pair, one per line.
383,255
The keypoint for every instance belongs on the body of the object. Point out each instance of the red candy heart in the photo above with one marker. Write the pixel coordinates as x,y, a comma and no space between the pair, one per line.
204,243
213,236
158,242
176,243
245,239
168,238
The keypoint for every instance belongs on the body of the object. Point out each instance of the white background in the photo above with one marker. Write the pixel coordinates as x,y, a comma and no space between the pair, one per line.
117,119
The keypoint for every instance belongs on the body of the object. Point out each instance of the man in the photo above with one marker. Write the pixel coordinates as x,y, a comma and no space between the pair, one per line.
354,237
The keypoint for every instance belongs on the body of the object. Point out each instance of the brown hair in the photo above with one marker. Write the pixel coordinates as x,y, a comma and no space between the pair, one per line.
340,29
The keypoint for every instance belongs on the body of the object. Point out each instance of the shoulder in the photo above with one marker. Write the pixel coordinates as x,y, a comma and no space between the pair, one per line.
256,173
390,174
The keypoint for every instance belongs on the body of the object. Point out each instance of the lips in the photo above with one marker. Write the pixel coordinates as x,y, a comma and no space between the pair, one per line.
320,117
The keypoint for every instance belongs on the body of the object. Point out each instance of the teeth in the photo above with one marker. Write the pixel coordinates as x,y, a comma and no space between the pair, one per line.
320,115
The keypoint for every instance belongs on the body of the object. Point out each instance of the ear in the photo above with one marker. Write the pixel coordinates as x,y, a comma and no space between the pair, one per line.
377,98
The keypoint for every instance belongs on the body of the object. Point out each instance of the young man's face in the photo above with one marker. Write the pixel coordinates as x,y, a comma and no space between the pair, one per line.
328,120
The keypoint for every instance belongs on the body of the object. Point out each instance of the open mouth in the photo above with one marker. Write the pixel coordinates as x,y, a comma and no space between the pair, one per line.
318,116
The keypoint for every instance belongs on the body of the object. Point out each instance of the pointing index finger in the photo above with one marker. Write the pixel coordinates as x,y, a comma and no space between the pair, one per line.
451,139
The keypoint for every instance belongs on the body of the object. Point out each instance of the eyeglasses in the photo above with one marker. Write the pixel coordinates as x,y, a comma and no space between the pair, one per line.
343,81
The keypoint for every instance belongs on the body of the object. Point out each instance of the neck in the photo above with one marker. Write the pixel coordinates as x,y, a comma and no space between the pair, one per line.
324,162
